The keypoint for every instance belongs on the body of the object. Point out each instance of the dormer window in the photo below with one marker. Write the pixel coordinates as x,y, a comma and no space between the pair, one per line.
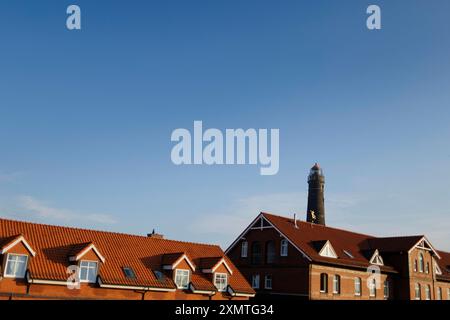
221,281
284,248
88,271
16,265
328,251
182,278
377,259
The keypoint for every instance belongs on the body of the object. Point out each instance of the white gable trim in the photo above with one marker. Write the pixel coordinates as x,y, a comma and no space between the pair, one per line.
250,226
218,264
374,257
86,250
176,263
428,243
15,242
328,247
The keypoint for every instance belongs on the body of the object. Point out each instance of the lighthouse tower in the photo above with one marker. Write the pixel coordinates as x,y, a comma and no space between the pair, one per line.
316,200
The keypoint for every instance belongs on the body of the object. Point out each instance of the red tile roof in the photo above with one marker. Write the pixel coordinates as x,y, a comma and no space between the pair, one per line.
310,238
444,265
54,245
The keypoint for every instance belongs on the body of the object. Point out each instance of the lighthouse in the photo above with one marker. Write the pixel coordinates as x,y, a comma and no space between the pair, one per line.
316,199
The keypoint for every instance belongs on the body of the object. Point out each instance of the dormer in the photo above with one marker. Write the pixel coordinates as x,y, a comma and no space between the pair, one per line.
376,259
16,251
181,266
219,269
88,258
325,249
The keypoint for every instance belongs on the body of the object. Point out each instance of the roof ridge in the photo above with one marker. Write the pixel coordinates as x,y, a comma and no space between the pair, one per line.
106,232
320,226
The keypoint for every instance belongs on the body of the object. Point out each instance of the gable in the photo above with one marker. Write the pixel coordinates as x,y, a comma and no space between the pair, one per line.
17,244
328,251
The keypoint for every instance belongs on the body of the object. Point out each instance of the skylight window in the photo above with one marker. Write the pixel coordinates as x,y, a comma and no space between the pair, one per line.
348,254
129,273
159,275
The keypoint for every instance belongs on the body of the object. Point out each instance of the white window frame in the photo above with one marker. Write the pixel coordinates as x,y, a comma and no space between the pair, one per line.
373,288
216,275
184,272
244,249
439,293
427,292
386,289
358,286
87,273
284,245
421,262
336,284
255,281
8,260
268,282
417,291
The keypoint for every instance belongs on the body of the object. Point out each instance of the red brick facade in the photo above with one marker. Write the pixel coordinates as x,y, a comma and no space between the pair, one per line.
344,276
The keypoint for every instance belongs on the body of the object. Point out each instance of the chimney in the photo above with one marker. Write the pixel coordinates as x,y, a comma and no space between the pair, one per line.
155,235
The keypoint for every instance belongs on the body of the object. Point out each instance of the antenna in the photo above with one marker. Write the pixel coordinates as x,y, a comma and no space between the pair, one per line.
295,221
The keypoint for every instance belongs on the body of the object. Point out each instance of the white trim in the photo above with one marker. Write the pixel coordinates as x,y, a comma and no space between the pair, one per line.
19,239
328,246
218,264
40,281
176,263
86,250
193,290
429,244
226,278
376,254
6,266
113,286
189,278
232,293
261,215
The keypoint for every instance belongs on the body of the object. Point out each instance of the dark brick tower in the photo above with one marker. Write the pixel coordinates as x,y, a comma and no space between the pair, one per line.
316,200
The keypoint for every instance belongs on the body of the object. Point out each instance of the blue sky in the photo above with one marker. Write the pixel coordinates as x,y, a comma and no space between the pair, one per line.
86,116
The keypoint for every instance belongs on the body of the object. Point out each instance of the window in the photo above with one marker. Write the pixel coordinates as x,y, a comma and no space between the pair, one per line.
284,248
337,284
439,294
270,252
159,275
373,288
182,278
415,265
129,273
323,283
88,271
255,281
427,267
244,249
421,262
328,251
348,254
268,282
418,292
448,293
428,292
220,281
357,286
256,253
16,265
386,289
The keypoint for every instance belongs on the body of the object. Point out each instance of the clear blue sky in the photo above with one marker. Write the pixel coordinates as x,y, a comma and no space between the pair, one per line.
86,116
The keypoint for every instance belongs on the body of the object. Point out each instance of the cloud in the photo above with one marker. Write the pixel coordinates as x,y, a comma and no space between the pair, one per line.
42,210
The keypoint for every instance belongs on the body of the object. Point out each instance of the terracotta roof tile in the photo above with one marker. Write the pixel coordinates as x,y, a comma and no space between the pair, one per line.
54,245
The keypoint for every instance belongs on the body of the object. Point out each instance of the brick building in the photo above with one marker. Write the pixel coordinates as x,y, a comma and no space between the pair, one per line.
286,257
46,262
